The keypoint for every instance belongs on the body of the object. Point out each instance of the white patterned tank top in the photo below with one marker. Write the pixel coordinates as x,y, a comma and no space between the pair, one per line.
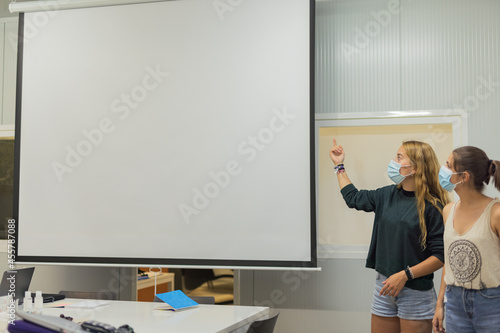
472,259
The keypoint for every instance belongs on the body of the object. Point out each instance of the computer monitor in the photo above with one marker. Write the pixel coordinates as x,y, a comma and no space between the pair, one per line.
16,282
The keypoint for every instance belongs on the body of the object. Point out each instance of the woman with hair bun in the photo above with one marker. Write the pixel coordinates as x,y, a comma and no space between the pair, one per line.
471,275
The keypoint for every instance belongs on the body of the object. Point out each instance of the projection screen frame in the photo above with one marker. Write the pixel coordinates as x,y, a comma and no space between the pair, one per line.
165,262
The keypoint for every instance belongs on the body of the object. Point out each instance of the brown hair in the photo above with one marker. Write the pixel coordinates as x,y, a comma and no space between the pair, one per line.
427,187
478,165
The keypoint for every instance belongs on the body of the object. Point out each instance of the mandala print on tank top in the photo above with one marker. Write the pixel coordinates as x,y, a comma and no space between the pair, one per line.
465,261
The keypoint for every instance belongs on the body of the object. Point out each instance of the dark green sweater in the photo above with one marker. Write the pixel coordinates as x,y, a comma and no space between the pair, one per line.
395,241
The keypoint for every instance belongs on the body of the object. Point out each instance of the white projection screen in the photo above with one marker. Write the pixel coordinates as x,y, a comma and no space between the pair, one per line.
176,133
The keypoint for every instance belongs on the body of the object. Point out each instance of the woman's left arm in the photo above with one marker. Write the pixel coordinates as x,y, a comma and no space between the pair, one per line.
434,244
426,267
395,283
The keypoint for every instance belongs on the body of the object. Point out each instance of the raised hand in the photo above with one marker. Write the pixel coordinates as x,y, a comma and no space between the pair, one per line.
337,153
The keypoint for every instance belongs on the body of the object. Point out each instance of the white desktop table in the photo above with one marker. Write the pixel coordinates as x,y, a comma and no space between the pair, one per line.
143,319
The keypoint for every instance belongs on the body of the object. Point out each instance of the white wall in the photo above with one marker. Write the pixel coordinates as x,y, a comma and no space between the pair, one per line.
8,63
4,9
120,281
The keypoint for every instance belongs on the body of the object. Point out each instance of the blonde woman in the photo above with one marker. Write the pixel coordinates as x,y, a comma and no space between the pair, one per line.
407,238
471,276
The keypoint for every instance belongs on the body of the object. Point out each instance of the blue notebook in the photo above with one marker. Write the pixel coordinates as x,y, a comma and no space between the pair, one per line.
174,300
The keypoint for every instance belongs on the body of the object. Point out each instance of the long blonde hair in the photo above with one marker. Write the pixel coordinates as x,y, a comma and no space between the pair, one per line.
427,186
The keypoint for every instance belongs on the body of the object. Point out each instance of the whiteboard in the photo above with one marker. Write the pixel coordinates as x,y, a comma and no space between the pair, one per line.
370,142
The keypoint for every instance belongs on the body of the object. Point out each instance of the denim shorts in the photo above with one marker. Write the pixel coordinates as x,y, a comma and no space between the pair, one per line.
469,310
410,304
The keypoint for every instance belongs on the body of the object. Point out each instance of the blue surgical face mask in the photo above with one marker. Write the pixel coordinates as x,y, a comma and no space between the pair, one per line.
393,171
444,178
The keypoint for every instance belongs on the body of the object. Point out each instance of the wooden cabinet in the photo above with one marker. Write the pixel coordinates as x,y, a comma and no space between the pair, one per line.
146,287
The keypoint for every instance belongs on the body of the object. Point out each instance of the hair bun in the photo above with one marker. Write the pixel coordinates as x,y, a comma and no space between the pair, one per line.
492,167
